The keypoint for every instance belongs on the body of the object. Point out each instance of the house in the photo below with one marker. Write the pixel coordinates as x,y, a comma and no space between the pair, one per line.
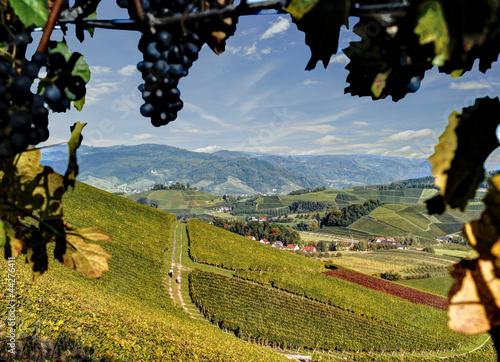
291,247
348,245
379,239
444,239
417,249
265,241
310,249
278,245
254,218
262,218
401,247
250,237
392,241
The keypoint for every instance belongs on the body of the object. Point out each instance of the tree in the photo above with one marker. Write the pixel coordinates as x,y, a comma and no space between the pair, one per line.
362,245
322,246
390,61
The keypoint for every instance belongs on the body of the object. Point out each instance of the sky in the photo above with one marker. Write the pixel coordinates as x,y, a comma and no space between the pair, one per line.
256,96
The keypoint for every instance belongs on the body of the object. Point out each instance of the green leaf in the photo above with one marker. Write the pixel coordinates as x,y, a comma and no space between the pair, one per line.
31,12
321,24
432,28
82,69
463,148
91,30
379,84
79,103
298,8
3,234
74,142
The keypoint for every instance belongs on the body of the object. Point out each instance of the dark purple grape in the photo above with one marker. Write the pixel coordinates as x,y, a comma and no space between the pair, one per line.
164,40
18,141
152,52
147,109
39,58
52,94
21,85
30,69
21,121
76,85
122,3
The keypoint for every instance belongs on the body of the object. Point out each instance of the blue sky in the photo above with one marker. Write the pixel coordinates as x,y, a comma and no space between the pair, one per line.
257,97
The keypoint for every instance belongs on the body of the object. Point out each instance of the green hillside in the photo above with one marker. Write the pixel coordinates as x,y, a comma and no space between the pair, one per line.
316,310
127,315
177,201
401,219
212,245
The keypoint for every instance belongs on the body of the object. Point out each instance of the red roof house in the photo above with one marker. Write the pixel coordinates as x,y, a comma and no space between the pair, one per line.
264,241
310,249
291,247
250,237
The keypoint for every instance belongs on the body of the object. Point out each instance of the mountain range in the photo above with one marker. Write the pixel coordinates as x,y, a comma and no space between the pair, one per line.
131,168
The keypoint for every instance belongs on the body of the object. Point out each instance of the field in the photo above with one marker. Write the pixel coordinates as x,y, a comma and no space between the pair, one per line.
405,262
438,286
178,202
127,314
276,318
212,245
385,286
399,220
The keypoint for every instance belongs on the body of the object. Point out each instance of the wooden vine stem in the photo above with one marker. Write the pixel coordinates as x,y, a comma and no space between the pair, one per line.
49,25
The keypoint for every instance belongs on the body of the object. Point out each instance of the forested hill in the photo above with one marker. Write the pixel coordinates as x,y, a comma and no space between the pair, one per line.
228,172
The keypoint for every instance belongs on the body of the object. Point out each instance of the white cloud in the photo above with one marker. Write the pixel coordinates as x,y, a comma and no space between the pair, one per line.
320,128
207,116
329,140
127,70
409,152
209,149
195,131
360,123
408,135
96,90
97,69
473,84
277,28
143,136
249,52
266,51
308,81
340,58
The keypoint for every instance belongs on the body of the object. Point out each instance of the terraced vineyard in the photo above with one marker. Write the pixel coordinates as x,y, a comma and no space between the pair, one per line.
402,219
188,201
276,318
406,262
127,315
212,245
400,291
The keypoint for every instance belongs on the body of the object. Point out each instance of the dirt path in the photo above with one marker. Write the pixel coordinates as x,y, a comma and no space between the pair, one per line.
176,275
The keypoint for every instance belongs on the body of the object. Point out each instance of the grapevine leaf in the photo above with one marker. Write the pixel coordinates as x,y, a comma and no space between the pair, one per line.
28,163
89,259
298,8
432,28
74,142
475,294
79,103
463,148
3,234
82,69
379,84
474,297
93,233
216,32
31,12
321,24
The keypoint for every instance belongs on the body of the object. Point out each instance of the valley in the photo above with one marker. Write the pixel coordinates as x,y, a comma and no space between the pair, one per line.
238,299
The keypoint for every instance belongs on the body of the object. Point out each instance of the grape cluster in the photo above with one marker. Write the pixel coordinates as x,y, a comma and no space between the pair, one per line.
168,54
23,116
59,72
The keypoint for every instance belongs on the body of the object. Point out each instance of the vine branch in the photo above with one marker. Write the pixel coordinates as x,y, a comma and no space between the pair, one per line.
49,25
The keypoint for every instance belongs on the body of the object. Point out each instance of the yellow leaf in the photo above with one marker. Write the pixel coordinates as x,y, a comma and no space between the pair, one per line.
379,84
432,28
89,259
298,8
474,297
444,152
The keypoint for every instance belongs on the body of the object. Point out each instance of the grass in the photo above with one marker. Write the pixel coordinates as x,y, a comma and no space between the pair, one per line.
175,199
127,314
438,286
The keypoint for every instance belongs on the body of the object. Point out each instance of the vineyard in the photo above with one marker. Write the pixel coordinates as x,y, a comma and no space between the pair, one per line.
212,245
439,286
407,263
400,291
127,314
272,317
